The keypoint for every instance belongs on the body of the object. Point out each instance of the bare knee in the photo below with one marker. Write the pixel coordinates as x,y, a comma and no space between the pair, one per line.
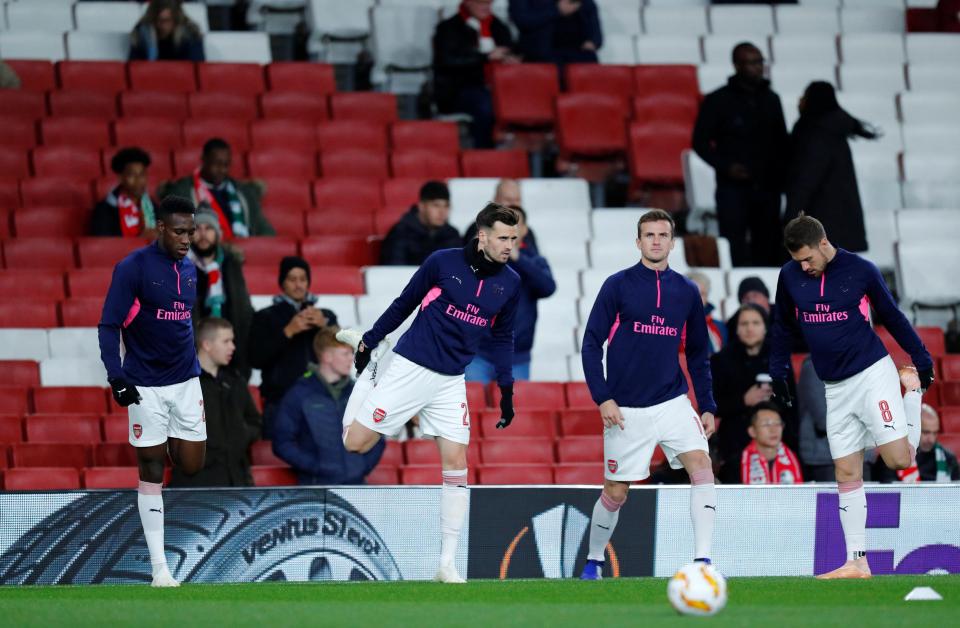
616,490
694,461
898,460
357,443
150,469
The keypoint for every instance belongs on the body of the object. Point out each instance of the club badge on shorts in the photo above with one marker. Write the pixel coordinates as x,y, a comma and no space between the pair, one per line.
137,430
379,415
612,465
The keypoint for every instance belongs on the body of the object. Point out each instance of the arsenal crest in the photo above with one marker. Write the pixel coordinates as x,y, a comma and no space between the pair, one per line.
612,465
137,430
379,415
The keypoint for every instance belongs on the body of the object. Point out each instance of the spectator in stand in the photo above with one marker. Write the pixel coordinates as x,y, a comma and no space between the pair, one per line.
536,283
821,181
231,416
753,290
812,408
281,336
309,422
508,193
766,459
127,210
740,131
8,77
463,44
557,31
422,230
221,287
165,33
740,381
716,330
236,204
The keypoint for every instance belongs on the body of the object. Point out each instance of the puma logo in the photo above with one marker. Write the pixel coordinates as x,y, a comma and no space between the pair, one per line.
156,510
604,527
889,426
713,508
844,508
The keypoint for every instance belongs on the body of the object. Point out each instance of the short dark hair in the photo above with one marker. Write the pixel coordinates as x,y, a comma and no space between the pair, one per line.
208,326
214,143
521,211
127,156
494,213
175,205
434,191
803,231
765,405
655,215
743,45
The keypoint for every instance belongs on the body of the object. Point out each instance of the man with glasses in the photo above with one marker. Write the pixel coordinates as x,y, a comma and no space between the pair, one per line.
766,460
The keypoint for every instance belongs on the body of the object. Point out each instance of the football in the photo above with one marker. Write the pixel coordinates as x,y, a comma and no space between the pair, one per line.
697,589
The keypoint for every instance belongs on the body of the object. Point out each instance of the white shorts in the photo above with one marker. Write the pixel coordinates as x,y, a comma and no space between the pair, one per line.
174,411
865,410
404,390
673,424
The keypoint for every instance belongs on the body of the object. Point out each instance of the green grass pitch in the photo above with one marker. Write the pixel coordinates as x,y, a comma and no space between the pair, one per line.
766,602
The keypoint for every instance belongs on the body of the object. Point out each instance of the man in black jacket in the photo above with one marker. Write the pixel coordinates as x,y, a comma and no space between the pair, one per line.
281,336
232,419
462,46
422,230
740,131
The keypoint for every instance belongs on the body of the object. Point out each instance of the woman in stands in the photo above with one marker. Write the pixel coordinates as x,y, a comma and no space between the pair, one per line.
821,181
127,210
165,33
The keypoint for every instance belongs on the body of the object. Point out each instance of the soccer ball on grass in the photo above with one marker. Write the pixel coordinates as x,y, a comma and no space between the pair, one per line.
697,589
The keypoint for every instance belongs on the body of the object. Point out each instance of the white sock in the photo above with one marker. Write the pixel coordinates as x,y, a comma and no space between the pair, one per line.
703,511
454,497
150,504
853,517
911,405
606,513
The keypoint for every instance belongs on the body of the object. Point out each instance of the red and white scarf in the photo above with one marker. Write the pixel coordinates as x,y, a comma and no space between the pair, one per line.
482,27
231,218
135,216
754,468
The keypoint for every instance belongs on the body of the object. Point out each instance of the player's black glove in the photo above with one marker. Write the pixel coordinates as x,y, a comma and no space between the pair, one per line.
506,407
926,378
124,393
781,392
361,359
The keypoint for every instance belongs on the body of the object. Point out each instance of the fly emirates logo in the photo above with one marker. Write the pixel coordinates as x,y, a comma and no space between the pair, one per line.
656,327
822,314
471,315
178,313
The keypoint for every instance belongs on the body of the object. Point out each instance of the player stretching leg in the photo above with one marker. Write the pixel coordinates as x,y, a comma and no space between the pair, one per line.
643,314
149,302
825,293
463,296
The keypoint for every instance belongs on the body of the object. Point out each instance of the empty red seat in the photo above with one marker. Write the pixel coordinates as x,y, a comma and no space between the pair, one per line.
294,106
421,452
154,105
578,395
11,429
89,283
66,161
295,134
14,162
675,108
51,454
261,279
655,152
591,124
339,223
162,76
41,479
116,428
383,476
213,105
581,448
517,451
347,193
22,105
932,338
14,399
299,76
266,251
428,135
512,164
423,474
56,253
424,164
81,312
288,192
950,368
234,132
34,75
273,476
282,162
111,477
666,79
340,135
28,314
950,393
105,252
374,106
114,455
42,222
526,424
101,76
19,372
578,473
537,82
586,422
353,163
286,221
338,279
38,285
950,419
590,78
186,160
19,135
533,396
151,134
63,428
476,397
261,453
338,250
69,400
950,441
515,474
9,196
386,218
392,455
53,191
231,78
100,105
75,131
402,192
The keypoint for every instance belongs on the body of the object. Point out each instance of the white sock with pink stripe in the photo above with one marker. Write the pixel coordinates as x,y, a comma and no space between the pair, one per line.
606,513
454,497
703,511
853,517
150,505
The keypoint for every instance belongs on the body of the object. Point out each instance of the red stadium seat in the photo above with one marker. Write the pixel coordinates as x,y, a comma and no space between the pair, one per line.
116,428
231,78
383,476
41,479
428,135
338,250
114,455
63,428
932,338
402,192
151,134
348,193
288,192
54,190
338,280
950,419
796,363
74,131
56,253
22,105
186,160
233,131
69,400
293,134
591,124
424,164
385,219
101,76
66,161
282,162
515,474
111,477
89,283
357,224
674,108
421,452
28,314
255,394
14,162
526,424
81,312
286,222
950,368
211,105
533,396
162,76
99,105
266,251
5,222
584,422
261,279
294,106
373,106
39,285
51,454
41,222
581,448
590,78
392,455
273,476
19,134
666,79
35,76
19,372
423,474
512,164
579,473
537,82
517,451
261,453
14,399
476,397
655,152
578,395
154,105
353,163
340,135
950,441
96,252
9,193
298,76
950,393
11,430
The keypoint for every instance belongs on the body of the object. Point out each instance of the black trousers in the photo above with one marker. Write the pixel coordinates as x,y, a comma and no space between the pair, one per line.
749,217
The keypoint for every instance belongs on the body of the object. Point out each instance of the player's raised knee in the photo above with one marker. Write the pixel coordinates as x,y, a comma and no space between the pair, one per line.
616,491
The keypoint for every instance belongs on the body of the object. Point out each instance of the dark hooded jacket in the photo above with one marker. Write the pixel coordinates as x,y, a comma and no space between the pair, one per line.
410,242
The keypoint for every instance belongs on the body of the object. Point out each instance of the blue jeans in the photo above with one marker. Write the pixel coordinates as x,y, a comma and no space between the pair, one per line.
481,370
